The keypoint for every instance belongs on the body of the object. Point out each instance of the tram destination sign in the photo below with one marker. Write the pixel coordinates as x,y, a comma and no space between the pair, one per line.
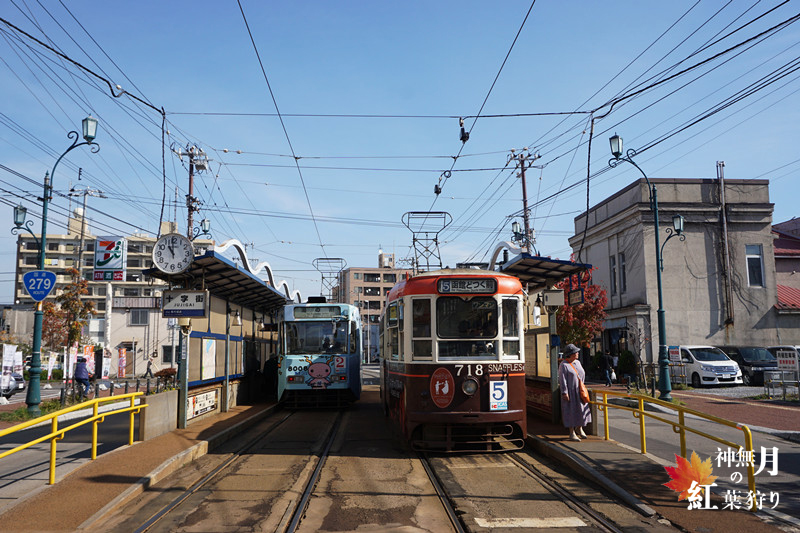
467,286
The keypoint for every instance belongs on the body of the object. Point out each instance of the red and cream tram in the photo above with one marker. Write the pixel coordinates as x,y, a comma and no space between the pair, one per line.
452,361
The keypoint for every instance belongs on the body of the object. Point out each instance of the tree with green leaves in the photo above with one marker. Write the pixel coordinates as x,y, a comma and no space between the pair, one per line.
579,324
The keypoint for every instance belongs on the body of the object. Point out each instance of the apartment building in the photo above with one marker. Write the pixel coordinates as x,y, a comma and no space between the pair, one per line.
128,310
367,288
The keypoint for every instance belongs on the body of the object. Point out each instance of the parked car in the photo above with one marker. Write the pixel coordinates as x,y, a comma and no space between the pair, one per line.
753,360
707,365
11,384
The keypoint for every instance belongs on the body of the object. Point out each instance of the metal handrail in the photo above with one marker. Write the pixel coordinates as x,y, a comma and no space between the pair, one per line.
680,427
57,434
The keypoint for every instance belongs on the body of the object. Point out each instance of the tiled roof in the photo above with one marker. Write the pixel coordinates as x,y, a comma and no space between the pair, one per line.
788,298
786,244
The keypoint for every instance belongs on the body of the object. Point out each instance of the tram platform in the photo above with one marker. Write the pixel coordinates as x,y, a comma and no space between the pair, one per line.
101,486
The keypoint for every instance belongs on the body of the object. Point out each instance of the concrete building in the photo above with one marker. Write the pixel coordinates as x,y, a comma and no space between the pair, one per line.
128,311
366,288
719,284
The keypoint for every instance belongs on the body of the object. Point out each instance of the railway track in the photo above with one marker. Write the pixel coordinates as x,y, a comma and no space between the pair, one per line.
463,521
293,519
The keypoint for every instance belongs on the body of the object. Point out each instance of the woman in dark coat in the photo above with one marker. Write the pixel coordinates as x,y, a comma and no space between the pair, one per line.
574,413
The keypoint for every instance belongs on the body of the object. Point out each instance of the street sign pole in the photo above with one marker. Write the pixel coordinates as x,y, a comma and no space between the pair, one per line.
39,284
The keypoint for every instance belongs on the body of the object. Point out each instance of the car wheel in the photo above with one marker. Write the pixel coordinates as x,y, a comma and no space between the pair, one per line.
696,383
746,379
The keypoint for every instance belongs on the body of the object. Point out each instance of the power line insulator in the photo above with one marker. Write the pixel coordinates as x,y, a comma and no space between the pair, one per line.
437,190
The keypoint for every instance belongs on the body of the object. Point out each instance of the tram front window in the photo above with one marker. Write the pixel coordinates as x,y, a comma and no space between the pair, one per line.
309,338
470,322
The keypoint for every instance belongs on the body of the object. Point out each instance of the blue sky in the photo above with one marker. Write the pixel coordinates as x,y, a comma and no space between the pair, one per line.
408,70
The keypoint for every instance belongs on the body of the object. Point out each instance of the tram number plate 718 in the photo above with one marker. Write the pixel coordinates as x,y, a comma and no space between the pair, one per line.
498,395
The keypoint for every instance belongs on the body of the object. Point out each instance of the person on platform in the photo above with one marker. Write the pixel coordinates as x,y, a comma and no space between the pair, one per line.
608,367
82,375
149,371
574,413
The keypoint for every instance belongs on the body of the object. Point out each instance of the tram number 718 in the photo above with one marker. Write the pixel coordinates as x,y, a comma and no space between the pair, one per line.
478,370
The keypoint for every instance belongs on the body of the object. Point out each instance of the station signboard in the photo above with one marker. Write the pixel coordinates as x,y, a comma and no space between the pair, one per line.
184,303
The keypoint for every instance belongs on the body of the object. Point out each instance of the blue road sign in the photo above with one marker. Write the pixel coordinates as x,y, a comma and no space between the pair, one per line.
39,283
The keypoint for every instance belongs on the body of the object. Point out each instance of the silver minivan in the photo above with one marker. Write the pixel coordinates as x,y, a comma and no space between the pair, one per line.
706,365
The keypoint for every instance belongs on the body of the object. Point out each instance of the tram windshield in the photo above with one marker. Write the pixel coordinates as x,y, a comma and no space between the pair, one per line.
466,318
318,337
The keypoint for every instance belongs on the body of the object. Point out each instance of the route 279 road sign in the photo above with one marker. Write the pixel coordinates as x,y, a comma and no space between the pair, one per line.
39,283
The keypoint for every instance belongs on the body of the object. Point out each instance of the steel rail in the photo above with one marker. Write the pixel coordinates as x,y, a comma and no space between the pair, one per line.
300,510
571,501
208,477
448,506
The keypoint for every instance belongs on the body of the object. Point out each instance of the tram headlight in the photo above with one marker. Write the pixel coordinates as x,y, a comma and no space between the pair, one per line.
469,386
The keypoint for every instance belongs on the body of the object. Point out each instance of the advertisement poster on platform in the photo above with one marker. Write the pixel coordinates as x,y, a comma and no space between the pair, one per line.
209,358
121,362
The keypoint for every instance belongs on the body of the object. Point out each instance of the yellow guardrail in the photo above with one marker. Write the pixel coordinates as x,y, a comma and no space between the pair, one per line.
56,434
679,427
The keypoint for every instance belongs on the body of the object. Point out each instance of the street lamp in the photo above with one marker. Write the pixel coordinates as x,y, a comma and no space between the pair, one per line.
203,229
664,385
89,129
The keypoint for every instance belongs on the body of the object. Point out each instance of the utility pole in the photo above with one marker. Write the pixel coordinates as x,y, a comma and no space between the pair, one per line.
522,160
197,161
88,191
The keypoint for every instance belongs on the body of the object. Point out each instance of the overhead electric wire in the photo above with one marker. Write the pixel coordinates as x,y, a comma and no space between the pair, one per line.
283,125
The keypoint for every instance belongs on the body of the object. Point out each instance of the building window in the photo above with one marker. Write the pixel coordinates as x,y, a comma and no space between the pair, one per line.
166,354
623,281
386,291
101,306
130,292
52,246
755,265
372,291
139,317
90,246
135,262
101,291
359,290
134,248
612,271
390,278
133,277
356,275
372,278
31,260
31,245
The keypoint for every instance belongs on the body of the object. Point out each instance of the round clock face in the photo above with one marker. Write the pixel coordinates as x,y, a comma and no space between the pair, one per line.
173,253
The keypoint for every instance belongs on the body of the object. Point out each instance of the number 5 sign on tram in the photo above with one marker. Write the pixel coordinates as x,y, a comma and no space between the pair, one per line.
499,396
39,283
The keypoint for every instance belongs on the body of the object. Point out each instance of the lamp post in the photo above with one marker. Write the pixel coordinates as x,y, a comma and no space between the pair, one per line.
89,130
203,229
664,385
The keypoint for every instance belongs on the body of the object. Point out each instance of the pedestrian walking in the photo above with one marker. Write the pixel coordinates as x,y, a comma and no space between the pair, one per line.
82,375
574,413
608,367
149,371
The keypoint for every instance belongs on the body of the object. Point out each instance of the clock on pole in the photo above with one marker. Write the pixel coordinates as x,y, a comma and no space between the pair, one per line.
173,253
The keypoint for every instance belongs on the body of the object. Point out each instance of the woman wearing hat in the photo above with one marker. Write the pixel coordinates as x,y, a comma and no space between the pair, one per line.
574,413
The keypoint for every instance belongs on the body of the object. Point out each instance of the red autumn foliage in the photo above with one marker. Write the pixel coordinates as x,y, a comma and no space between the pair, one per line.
579,324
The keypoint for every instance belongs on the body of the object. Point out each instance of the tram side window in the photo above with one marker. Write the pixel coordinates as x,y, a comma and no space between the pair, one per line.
421,345
392,323
510,327
353,338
